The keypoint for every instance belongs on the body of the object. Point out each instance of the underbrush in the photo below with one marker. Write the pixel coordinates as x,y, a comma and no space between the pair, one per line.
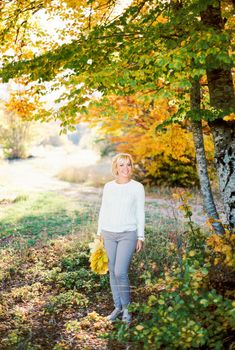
44,289
50,298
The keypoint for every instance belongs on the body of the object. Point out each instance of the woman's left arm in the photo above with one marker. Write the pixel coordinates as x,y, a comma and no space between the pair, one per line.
140,216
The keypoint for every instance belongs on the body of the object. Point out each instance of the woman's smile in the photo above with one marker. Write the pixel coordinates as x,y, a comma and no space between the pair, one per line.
124,169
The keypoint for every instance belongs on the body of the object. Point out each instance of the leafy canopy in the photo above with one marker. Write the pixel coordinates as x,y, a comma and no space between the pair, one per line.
156,48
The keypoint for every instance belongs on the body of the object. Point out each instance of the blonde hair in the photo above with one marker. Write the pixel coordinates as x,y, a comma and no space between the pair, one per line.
120,156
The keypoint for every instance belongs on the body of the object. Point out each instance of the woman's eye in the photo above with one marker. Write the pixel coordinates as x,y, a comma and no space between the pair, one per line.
124,164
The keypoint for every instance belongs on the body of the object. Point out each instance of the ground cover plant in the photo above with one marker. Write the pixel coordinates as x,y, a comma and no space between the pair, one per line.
50,298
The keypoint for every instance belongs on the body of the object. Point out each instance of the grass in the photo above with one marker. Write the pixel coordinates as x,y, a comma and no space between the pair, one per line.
30,219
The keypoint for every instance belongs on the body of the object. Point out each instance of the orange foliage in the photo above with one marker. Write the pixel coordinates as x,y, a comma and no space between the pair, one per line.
223,247
23,102
21,107
131,124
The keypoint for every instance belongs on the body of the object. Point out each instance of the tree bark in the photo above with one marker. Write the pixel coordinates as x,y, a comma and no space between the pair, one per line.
220,82
224,140
221,91
208,200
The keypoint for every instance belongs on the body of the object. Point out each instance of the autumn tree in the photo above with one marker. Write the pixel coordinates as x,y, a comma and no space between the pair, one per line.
16,134
222,98
18,114
163,157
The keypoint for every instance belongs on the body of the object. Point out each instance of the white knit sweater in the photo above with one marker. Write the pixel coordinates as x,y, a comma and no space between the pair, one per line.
122,208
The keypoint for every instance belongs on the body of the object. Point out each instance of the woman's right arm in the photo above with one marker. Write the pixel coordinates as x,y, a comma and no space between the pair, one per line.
101,213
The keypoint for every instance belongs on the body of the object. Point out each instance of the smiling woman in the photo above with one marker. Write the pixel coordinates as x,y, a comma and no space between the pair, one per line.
122,167
121,225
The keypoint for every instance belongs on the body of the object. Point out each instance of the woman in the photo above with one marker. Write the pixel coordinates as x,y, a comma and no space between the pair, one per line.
121,224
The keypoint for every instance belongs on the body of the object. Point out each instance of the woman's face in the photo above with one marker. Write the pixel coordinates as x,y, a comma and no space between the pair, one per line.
124,168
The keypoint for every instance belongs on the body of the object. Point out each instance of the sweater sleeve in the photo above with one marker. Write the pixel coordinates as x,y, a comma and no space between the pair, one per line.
101,213
140,214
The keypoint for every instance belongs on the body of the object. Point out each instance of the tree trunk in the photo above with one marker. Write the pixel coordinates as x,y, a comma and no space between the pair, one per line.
224,140
205,185
221,91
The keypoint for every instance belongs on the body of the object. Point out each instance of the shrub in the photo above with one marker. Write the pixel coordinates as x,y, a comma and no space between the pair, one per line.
180,313
16,135
65,301
75,272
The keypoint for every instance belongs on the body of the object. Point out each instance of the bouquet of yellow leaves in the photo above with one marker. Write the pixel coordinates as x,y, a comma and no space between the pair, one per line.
98,258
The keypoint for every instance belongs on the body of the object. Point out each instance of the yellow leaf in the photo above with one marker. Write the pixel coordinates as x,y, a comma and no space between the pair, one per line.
98,258
192,253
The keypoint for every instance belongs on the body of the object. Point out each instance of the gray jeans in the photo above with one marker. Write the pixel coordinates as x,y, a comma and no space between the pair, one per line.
120,247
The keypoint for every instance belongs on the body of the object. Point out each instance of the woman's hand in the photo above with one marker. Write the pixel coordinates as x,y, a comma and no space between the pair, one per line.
139,245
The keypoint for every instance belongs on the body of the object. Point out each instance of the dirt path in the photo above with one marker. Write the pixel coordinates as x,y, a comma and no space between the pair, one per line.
163,207
38,174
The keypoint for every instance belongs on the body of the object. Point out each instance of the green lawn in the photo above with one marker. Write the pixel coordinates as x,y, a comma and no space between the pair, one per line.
29,219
